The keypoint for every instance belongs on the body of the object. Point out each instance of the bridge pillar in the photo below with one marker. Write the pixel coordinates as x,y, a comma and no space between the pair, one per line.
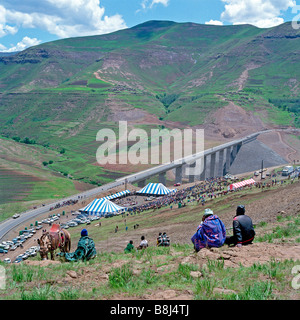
162,178
203,175
142,183
192,176
220,163
235,149
212,165
227,161
178,175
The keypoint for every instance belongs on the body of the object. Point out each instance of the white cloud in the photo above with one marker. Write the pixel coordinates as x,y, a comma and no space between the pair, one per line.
163,2
214,22
260,13
64,18
148,4
22,45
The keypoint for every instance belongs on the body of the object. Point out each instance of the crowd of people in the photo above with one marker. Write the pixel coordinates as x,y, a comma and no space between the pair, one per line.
63,204
211,188
201,192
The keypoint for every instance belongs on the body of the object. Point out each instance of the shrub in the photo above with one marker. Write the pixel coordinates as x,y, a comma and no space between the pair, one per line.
120,277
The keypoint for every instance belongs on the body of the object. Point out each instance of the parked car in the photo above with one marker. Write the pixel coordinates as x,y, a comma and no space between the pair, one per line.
72,224
3,250
7,260
18,260
25,256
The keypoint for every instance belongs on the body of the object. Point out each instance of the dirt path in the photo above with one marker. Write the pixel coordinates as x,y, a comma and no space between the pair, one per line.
241,81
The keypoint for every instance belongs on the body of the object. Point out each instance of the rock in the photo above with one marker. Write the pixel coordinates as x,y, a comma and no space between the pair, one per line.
195,274
103,277
72,274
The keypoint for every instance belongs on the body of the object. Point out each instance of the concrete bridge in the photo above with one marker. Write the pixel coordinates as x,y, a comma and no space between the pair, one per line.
214,162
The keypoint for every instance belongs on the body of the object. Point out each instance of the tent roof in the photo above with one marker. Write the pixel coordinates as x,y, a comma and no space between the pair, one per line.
117,195
241,184
156,189
101,206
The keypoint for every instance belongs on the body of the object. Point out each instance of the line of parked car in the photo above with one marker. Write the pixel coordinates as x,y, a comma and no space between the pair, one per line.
11,245
81,218
31,252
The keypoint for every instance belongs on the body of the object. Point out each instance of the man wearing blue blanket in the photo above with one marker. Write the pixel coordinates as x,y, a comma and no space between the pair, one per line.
210,233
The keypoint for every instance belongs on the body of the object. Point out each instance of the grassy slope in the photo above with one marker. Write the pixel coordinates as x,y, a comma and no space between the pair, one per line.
25,181
147,273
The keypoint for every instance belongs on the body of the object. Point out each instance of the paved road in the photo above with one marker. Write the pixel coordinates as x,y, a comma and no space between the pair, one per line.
10,223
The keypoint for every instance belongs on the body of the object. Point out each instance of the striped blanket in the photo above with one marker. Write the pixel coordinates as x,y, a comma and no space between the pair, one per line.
211,233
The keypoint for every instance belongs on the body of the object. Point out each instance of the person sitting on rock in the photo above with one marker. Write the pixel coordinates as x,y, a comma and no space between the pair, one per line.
210,233
243,231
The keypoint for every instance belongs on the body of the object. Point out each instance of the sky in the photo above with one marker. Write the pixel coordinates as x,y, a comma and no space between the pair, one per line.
25,23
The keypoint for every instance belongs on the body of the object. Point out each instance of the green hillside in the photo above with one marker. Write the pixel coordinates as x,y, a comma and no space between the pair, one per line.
59,94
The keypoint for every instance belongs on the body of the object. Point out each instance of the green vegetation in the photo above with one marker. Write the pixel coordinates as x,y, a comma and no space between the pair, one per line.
290,229
137,277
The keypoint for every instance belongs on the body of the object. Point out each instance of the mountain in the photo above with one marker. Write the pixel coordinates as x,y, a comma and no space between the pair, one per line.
159,73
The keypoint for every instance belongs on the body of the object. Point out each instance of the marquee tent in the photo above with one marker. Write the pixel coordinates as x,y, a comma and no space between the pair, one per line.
241,184
117,195
155,189
101,207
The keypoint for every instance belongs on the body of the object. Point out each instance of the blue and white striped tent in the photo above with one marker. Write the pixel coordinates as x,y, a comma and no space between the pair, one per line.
117,195
155,189
101,207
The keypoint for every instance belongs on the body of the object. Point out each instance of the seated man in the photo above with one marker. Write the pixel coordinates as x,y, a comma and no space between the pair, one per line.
130,247
163,240
210,233
143,244
243,231
85,249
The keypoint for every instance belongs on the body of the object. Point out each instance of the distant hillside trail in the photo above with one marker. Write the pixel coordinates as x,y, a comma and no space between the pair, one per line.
241,81
285,143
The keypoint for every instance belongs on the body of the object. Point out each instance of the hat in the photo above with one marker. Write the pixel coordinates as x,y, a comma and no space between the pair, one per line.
84,232
240,210
208,212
